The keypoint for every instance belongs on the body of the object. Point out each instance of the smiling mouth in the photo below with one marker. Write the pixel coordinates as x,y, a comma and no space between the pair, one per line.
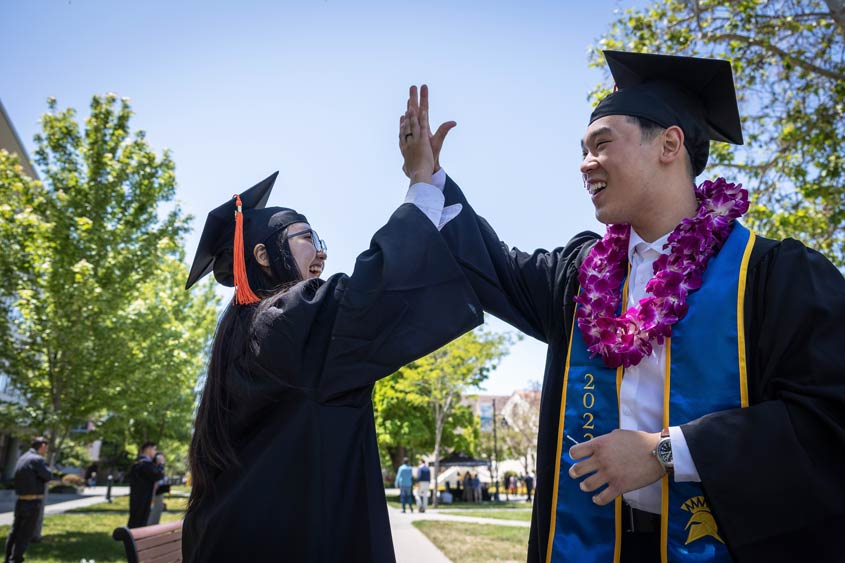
316,269
595,187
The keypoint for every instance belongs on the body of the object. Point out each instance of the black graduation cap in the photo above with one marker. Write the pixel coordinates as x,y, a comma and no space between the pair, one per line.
229,231
693,93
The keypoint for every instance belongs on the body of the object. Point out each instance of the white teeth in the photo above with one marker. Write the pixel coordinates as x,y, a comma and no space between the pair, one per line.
594,187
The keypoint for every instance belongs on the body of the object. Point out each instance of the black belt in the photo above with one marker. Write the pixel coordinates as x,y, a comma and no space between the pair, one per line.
639,521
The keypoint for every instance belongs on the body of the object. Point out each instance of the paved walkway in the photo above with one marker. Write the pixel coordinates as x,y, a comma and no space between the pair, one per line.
412,546
56,504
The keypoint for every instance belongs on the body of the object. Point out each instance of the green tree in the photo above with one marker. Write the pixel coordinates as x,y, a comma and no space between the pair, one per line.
789,72
98,325
437,382
405,425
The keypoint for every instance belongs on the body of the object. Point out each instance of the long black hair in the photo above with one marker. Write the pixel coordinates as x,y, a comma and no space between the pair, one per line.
211,452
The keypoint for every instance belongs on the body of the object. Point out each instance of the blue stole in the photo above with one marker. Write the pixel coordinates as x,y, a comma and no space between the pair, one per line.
582,532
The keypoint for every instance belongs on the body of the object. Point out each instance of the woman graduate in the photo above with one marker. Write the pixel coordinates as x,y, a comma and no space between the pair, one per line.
287,399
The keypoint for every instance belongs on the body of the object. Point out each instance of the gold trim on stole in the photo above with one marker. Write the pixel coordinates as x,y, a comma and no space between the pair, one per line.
553,519
740,319
617,546
664,481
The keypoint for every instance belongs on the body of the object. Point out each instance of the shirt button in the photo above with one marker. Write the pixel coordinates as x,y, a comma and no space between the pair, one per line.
626,411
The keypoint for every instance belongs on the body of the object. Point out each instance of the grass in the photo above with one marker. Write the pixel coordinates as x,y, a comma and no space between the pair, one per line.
85,533
476,543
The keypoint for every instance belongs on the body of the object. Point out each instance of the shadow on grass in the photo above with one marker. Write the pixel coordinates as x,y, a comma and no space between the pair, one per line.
75,546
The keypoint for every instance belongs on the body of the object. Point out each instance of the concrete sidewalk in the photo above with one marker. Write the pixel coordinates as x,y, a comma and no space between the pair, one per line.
412,546
58,503
443,515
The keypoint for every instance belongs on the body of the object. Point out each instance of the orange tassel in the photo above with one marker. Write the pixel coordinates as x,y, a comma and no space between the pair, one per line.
243,293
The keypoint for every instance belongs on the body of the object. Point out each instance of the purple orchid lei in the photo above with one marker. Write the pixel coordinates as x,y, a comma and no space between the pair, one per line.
627,339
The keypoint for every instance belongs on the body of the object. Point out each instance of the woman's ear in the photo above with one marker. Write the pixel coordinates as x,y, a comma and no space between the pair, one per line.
260,253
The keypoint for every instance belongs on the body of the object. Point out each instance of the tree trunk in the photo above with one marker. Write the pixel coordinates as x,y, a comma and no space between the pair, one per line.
837,12
438,430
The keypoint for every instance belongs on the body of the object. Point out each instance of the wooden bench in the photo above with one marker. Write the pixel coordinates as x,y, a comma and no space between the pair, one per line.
161,543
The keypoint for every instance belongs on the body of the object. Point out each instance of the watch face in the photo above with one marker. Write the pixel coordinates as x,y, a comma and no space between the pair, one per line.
664,451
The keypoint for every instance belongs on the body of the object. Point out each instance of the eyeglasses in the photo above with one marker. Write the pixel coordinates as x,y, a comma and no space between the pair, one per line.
319,244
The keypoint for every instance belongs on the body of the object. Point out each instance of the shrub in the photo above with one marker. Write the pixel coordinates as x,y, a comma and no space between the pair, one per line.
73,480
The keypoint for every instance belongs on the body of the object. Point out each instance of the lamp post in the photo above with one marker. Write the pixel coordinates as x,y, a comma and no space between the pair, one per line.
495,453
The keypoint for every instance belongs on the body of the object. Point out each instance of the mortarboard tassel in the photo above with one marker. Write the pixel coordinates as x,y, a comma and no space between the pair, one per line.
243,293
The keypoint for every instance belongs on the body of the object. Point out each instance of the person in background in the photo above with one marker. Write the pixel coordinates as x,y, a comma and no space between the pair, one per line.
423,483
143,475
529,486
161,488
405,482
31,475
476,488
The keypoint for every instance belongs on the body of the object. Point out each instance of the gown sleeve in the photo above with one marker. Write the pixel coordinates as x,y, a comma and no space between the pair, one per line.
406,297
772,472
515,286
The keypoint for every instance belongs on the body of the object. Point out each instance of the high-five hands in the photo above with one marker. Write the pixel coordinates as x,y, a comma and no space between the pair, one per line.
417,109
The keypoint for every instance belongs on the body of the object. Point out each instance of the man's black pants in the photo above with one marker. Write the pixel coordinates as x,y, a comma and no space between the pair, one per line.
23,528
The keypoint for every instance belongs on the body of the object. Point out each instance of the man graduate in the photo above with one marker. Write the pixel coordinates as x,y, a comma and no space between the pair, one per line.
693,402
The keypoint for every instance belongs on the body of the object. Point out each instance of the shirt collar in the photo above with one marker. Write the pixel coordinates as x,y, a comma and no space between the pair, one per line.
635,239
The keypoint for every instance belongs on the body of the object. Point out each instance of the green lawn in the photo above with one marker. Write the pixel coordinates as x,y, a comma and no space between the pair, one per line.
476,543
85,533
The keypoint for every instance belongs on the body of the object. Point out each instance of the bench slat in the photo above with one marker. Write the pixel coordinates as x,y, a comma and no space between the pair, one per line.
161,549
147,531
172,558
150,542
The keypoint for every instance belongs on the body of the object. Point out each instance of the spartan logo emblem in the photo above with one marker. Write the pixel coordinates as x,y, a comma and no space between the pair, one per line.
701,523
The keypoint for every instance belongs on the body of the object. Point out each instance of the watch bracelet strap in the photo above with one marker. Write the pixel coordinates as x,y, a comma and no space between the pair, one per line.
665,434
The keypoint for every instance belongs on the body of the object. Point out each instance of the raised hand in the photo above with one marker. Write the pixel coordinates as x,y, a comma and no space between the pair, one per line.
439,136
415,144
419,104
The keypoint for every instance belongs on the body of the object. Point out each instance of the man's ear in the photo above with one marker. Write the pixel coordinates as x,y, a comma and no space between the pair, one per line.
673,144
260,253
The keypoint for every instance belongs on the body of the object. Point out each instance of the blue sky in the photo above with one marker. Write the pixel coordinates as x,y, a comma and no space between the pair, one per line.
314,89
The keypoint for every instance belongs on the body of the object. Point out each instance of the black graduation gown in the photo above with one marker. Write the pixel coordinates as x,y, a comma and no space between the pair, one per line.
142,479
773,472
310,487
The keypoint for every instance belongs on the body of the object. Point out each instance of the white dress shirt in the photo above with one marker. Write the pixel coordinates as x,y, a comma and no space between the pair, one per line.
641,392
429,199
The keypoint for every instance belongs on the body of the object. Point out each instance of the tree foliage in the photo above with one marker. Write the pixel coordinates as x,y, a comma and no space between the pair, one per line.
98,326
788,58
405,424
429,392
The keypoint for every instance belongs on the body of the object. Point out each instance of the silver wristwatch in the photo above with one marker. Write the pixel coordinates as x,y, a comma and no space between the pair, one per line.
663,452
